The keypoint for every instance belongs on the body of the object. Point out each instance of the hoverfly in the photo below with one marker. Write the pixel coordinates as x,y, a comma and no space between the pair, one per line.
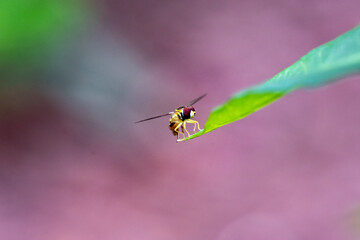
180,117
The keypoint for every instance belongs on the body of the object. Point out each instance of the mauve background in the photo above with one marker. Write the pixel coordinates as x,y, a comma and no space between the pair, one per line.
74,166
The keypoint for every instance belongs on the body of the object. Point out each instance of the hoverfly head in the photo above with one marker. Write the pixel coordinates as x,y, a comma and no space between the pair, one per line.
189,112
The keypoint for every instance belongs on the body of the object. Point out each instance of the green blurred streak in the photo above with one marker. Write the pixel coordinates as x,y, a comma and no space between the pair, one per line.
30,30
331,61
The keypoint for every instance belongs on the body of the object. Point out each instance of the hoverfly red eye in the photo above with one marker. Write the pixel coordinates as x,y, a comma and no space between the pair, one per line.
188,112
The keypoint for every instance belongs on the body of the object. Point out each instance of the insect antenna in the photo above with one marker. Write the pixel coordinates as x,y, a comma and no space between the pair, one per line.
196,100
147,119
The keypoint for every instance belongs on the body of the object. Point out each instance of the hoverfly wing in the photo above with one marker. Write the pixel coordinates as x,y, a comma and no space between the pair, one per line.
196,100
147,119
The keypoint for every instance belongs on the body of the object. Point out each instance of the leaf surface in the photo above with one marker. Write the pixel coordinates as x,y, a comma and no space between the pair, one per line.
329,62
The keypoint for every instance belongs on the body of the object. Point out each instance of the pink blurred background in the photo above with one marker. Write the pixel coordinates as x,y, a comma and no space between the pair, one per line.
74,166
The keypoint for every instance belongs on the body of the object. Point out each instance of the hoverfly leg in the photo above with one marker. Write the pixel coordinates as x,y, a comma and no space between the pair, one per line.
177,131
197,124
177,127
186,129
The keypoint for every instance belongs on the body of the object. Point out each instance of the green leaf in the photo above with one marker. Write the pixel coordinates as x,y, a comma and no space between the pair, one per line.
331,61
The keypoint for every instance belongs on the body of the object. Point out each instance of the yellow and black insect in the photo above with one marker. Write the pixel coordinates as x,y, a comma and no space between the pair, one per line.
180,117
